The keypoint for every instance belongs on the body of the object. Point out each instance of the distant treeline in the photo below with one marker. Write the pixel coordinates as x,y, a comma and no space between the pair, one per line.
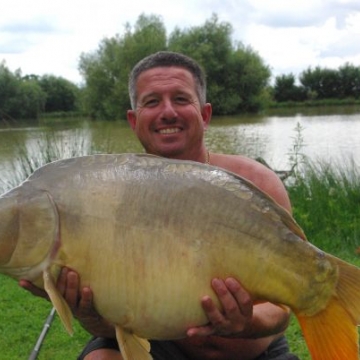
26,97
237,77
319,84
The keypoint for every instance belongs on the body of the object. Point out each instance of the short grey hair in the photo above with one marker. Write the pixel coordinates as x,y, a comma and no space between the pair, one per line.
168,59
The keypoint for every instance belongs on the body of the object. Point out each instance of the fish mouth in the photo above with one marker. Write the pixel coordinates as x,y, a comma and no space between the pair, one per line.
30,239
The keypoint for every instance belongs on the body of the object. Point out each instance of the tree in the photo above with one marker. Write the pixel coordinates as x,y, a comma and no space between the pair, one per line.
8,88
20,98
322,82
285,89
248,78
236,75
61,94
29,101
349,79
106,70
210,45
330,84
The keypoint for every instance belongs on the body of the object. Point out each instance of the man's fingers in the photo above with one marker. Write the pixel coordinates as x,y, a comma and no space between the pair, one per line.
234,314
215,316
28,286
62,280
71,294
86,301
200,331
241,296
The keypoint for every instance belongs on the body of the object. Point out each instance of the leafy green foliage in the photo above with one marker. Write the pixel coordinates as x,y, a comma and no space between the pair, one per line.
106,70
26,97
319,84
61,94
325,197
326,200
349,81
330,83
322,82
236,75
285,89
20,98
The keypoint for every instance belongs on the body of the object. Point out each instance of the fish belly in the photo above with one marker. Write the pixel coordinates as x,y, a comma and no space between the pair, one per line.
153,239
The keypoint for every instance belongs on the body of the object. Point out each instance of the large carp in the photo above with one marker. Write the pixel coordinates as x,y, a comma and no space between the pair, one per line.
148,234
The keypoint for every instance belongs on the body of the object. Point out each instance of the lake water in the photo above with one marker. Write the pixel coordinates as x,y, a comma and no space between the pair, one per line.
334,138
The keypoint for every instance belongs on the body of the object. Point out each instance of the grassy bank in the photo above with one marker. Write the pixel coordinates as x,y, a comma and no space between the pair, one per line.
315,103
22,320
325,200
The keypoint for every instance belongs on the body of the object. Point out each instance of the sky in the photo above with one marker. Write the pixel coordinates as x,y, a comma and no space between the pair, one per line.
47,37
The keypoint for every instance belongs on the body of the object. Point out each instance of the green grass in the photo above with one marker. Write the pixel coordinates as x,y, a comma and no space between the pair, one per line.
326,204
22,320
315,103
325,199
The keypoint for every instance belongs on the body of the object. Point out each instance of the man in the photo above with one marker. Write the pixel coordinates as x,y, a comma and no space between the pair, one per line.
170,116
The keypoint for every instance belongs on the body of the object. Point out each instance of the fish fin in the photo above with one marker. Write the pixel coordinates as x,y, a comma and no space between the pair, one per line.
58,301
131,346
290,222
348,289
332,333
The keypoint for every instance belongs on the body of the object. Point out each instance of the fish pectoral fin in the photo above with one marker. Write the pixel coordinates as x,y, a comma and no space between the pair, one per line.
131,346
58,301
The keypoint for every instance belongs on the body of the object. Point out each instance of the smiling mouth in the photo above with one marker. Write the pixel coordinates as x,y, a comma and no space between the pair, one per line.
169,131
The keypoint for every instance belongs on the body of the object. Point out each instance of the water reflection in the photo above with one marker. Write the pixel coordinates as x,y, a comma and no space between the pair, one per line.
334,138
329,137
237,139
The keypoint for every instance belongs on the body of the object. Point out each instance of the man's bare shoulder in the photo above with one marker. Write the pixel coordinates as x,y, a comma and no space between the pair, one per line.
252,170
240,165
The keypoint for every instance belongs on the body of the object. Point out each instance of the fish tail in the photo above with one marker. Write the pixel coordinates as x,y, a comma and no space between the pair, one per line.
332,333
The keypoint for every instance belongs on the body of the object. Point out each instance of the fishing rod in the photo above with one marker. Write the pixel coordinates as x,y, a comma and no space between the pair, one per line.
34,354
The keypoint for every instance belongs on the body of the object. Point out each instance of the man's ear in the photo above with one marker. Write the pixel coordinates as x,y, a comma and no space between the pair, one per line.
131,118
206,114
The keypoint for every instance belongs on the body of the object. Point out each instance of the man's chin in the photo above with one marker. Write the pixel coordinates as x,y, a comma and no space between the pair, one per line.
169,153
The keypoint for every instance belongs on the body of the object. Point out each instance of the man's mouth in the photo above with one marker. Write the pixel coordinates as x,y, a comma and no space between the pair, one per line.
169,130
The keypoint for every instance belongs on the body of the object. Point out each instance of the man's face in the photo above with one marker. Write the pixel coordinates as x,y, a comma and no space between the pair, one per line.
168,119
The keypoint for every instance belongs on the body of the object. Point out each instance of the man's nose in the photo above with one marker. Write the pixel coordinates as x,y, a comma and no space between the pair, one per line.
169,111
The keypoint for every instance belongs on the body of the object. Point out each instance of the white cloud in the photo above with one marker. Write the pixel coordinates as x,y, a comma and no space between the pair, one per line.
49,36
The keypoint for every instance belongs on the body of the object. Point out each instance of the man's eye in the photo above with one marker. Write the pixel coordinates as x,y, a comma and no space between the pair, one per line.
182,100
151,102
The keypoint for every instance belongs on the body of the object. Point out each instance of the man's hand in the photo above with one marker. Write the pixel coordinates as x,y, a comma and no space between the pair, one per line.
27,285
80,302
82,307
237,310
